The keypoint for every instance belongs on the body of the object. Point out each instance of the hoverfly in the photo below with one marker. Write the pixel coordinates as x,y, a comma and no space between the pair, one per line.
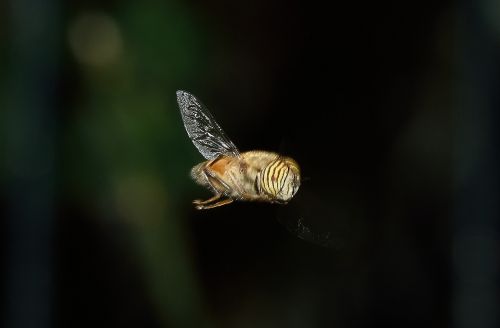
250,176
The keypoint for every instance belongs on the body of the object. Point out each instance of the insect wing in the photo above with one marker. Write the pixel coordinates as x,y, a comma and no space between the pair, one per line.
202,128
306,217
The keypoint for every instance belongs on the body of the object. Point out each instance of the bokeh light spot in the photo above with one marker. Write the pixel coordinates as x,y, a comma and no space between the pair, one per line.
95,39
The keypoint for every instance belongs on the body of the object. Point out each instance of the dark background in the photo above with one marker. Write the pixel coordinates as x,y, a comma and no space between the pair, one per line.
389,107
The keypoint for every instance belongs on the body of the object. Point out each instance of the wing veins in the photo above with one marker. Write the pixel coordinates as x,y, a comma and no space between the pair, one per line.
203,130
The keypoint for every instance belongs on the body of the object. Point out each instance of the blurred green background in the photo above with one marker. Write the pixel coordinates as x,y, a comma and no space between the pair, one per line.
391,109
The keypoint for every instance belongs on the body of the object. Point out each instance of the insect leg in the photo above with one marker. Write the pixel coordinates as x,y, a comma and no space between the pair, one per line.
216,182
220,189
204,202
220,203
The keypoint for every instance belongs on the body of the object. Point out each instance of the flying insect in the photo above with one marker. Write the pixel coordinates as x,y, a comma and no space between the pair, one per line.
247,176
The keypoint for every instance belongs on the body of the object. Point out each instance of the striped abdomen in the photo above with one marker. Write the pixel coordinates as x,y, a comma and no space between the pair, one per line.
279,180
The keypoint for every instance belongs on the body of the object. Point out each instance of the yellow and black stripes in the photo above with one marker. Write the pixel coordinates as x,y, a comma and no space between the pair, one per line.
272,178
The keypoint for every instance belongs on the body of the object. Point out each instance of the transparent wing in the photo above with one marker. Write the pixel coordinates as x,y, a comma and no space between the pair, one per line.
313,214
202,128
303,222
